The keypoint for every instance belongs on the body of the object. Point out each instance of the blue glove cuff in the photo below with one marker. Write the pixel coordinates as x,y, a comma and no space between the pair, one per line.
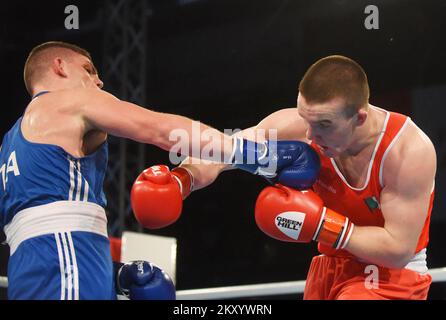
137,272
249,155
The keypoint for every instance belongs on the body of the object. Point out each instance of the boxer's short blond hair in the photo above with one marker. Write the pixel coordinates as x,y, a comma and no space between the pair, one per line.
40,58
336,77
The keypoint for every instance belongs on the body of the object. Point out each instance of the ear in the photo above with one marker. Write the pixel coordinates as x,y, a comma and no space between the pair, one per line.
59,67
361,117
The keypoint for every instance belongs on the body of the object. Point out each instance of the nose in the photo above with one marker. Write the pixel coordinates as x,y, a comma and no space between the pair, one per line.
99,83
310,133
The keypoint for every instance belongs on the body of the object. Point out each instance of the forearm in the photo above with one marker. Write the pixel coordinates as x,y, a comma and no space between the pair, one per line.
181,135
377,246
204,174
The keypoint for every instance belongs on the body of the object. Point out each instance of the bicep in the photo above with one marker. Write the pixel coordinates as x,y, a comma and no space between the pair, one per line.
103,111
405,199
285,124
404,216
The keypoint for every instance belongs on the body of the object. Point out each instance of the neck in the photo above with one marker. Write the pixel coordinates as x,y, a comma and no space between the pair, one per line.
49,86
365,135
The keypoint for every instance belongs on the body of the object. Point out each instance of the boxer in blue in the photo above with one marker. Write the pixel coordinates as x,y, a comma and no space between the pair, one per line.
52,167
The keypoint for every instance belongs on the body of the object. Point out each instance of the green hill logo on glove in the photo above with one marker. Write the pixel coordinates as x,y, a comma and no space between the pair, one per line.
290,223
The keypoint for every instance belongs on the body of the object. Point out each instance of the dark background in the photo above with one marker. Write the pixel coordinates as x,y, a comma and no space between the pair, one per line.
230,63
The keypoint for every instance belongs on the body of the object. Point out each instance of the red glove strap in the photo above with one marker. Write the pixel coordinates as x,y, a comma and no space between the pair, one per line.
185,180
334,229
346,238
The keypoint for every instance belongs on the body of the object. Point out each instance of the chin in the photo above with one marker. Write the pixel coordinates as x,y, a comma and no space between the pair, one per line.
328,152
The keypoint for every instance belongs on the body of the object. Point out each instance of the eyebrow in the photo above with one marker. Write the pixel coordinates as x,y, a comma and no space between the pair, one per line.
91,65
322,121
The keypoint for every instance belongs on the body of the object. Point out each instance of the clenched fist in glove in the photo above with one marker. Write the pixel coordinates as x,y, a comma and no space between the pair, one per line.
157,195
141,280
300,216
291,163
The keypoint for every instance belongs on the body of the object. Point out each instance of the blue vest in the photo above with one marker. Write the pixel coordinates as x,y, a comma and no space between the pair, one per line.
33,174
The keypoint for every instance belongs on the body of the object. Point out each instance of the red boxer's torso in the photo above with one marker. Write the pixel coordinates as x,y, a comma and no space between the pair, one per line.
362,204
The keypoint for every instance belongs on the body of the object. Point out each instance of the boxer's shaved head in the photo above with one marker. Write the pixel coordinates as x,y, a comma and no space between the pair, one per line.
41,57
336,77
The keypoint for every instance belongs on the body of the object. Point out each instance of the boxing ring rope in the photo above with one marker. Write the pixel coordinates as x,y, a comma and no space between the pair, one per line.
267,289
3,282
256,290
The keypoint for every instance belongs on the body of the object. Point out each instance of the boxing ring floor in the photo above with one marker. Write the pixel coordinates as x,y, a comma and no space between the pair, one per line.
256,290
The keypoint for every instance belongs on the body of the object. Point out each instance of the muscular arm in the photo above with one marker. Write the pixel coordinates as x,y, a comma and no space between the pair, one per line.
285,124
102,111
408,180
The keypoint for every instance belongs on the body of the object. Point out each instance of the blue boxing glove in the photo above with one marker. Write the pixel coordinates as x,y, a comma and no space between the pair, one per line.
292,163
141,280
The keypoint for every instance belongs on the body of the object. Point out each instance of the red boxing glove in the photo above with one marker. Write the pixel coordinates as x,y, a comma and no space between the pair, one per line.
300,216
157,195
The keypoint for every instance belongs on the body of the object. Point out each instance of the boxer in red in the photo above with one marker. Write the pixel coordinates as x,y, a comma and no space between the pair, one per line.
369,209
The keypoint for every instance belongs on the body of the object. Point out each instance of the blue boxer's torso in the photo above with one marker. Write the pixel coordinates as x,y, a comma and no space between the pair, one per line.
52,212
36,174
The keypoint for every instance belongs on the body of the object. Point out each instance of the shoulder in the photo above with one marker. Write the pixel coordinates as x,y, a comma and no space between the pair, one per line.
287,122
413,142
71,99
411,158
82,101
86,95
